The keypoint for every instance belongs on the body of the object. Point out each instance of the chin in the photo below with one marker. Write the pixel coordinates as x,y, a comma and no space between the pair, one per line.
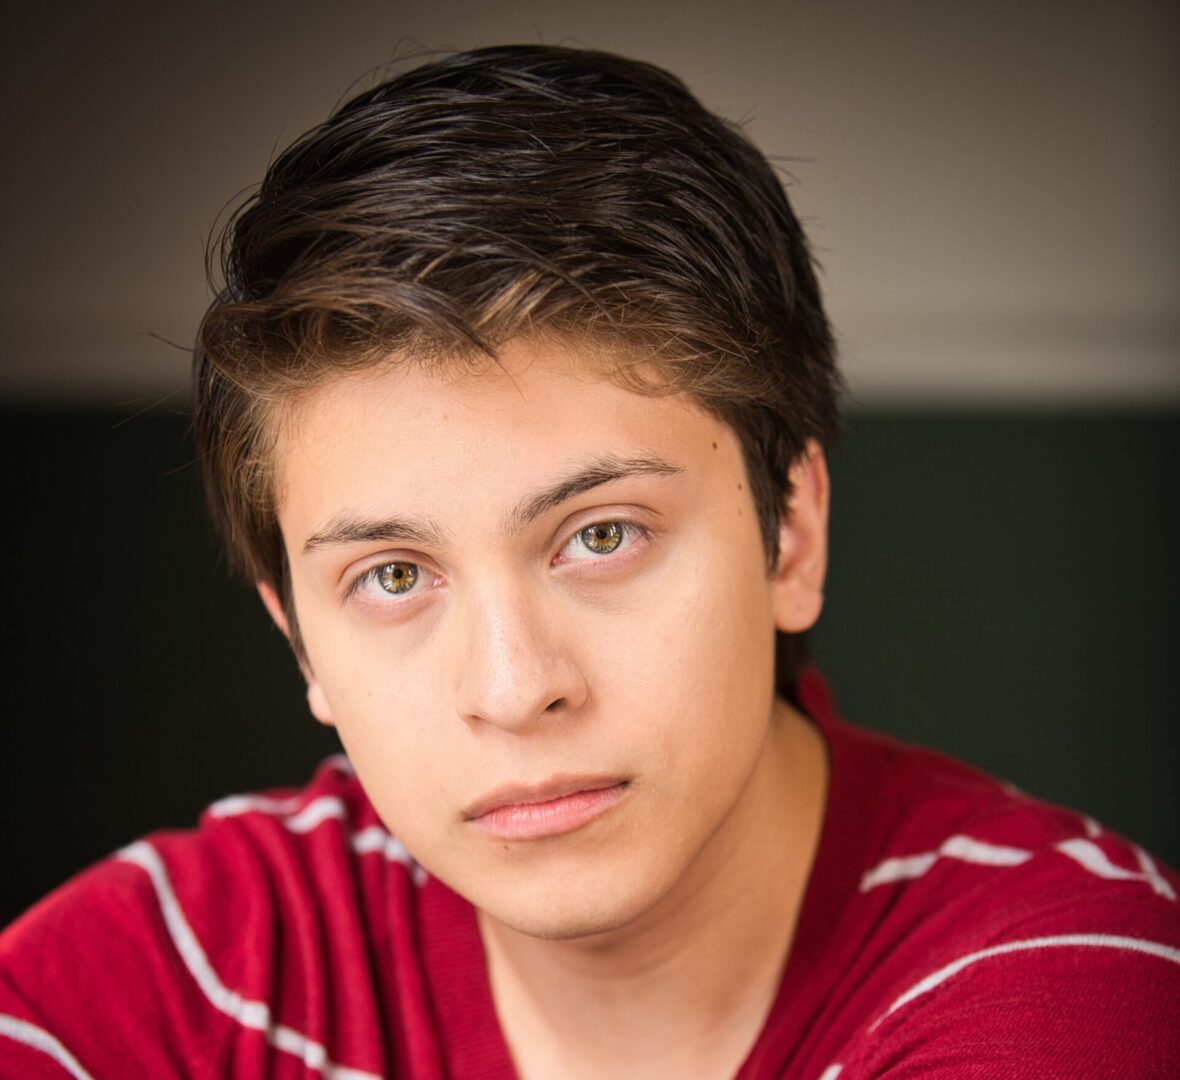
571,912
567,926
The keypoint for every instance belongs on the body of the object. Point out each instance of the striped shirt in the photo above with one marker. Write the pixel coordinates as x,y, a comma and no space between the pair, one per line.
952,927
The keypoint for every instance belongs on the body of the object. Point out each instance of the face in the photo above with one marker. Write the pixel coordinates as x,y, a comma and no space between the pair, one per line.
537,608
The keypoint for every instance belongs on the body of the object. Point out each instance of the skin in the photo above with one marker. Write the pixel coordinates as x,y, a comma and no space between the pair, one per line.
522,654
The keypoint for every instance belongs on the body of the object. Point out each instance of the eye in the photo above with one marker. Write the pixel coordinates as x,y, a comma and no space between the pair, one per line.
600,539
397,577
386,581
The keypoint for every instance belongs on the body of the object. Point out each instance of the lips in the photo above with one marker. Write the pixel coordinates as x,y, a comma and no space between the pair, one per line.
555,807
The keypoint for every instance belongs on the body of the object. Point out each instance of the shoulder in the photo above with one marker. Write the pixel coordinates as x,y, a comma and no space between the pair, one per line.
992,934
215,945
1078,981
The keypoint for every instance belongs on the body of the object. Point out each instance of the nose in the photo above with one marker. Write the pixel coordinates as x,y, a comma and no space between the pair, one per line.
513,668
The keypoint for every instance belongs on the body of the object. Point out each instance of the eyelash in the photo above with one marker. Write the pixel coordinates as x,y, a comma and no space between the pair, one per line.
631,533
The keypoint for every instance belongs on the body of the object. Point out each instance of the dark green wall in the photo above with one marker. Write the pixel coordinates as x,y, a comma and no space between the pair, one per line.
1004,587
1001,587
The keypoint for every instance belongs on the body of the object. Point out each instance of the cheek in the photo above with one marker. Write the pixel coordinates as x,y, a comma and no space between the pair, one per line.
387,716
719,608
699,651
370,676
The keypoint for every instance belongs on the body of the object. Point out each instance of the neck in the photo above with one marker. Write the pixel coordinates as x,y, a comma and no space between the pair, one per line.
684,989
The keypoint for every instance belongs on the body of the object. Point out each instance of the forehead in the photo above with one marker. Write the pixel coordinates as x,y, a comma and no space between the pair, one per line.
437,433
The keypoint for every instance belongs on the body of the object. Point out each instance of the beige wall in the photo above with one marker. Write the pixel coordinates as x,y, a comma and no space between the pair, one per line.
991,186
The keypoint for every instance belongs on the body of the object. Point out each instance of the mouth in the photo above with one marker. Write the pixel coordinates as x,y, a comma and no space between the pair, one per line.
554,808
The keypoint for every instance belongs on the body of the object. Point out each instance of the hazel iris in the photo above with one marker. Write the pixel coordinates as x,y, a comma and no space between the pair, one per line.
603,538
398,577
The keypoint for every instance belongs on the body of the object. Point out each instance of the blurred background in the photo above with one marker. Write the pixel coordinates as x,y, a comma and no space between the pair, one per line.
992,191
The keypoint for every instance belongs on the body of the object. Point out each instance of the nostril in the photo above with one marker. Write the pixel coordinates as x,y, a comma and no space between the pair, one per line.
554,705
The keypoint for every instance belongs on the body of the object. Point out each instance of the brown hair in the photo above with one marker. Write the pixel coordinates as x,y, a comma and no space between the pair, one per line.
509,191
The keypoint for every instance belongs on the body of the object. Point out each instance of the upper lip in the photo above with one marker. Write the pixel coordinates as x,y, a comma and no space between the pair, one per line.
556,787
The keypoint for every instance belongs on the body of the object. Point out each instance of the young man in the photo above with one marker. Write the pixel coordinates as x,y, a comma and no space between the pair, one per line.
514,407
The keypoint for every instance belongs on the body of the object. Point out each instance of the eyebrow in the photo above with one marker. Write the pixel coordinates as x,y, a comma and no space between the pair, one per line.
347,529
599,471
394,530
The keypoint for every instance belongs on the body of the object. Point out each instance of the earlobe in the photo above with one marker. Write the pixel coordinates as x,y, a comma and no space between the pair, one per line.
803,544
316,700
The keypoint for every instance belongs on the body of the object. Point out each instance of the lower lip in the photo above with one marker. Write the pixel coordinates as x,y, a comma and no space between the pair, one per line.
531,821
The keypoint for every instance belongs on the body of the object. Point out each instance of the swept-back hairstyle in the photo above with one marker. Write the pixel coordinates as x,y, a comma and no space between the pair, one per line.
503,192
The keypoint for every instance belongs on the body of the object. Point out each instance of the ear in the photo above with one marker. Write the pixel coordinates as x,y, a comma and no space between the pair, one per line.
803,544
316,700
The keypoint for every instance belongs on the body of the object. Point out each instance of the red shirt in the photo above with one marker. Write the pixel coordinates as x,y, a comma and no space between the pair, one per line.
951,927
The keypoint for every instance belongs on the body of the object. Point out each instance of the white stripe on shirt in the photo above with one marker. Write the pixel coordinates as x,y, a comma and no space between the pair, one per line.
1091,857
963,848
304,819
1101,941
250,1014
22,1031
232,805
